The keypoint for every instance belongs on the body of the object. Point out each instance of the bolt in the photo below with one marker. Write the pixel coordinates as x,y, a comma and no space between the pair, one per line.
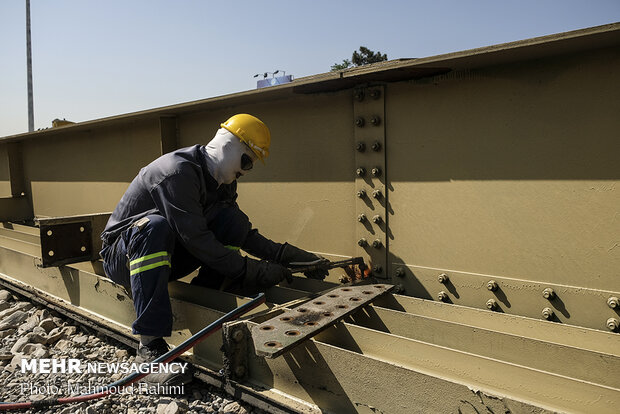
376,146
376,219
361,193
400,272
360,172
442,296
377,244
360,146
377,194
548,293
547,313
443,278
359,121
613,324
375,120
377,269
358,95
491,304
376,172
375,93
362,242
613,302
238,335
239,371
492,285
361,218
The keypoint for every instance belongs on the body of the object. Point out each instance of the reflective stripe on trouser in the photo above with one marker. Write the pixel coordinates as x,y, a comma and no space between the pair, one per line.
149,262
147,274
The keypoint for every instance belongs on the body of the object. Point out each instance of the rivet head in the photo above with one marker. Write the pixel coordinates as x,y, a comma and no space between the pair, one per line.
360,146
443,278
492,285
377,269
360,172
376,172
238,335
358,95
377,194
375,93
547,313
376,219
376,146
361,218
359,121
548,293
613,324
375,120
400,272
362,242
442,296
613,302
361,193
491,304
377,244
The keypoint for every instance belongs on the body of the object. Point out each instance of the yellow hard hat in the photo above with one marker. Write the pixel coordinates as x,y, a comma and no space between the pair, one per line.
252,131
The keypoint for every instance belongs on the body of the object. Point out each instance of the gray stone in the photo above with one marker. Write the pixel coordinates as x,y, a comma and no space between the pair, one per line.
5,295
21,342
37,339
7,332
54,335
13,320
121,353
15,363
69,330
28,325
37,397
4,305
80,339
232,408
174,407
39,331
63,345
47,324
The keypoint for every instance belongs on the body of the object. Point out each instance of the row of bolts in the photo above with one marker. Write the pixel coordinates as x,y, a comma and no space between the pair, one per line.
548,293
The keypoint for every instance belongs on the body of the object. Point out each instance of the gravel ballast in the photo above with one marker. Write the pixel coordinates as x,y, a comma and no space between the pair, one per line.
29,331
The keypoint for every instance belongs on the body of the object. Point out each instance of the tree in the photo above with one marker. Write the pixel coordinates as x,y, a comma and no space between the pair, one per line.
365,56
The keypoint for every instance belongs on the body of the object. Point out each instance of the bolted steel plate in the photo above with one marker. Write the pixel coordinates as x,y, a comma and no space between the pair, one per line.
65,243
277,335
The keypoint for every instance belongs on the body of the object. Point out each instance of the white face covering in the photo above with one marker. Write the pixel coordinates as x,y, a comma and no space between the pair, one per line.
224,153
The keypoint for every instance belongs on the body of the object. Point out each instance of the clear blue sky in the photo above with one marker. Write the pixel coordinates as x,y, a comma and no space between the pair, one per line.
93,58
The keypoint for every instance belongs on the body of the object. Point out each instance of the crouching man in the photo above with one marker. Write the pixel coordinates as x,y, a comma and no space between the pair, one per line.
180,214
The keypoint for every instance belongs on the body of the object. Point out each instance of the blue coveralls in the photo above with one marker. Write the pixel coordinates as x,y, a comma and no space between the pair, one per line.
173,219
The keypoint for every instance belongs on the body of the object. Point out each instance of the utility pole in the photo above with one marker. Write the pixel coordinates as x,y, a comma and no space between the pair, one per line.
29,68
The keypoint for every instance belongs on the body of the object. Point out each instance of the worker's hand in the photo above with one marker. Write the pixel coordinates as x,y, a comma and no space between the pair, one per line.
292,256
263,274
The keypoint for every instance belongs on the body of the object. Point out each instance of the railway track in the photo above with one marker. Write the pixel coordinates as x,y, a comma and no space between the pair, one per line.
398,354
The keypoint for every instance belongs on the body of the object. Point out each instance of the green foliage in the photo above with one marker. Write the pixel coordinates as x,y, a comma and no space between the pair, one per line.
365,56
346,63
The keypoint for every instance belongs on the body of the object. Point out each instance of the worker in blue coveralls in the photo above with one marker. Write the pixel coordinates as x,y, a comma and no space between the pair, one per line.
180,214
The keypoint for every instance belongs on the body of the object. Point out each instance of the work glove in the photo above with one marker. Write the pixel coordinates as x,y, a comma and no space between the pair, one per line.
261,274
292,256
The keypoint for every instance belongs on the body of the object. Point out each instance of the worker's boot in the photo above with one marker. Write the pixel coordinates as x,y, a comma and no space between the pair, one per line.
153,350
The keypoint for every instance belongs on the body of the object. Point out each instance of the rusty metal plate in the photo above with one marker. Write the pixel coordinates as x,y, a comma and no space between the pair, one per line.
277,335
65,243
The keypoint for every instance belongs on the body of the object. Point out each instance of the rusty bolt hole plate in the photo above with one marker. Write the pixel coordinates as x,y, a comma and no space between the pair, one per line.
295,325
